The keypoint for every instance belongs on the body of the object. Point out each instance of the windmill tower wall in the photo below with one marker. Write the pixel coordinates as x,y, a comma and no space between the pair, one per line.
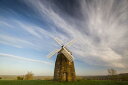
64,70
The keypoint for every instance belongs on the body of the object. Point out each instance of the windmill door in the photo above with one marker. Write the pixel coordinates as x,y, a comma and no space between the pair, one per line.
65,76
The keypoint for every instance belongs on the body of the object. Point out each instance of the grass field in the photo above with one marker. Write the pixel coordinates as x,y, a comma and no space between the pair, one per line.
46,82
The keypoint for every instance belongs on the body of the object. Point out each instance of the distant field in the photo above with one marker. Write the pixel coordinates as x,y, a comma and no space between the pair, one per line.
46,82
14,77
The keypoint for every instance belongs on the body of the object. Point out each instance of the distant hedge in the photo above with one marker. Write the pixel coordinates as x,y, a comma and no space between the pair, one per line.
20,78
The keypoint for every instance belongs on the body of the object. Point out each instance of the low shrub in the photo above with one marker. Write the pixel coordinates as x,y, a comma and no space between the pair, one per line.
20,78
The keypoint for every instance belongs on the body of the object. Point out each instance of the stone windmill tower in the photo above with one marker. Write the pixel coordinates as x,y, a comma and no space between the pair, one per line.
64,65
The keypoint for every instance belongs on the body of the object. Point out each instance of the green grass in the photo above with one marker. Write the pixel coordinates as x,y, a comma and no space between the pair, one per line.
45,82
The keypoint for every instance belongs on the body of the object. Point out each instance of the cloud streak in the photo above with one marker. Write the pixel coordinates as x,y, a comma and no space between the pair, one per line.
102,32
13,41
34,36
25,59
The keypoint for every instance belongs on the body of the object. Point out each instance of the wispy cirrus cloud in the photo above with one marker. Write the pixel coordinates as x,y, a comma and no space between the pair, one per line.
33,36
13,41
102,32
23,58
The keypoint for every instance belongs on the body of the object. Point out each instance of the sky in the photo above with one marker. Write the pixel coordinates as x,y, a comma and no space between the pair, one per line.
28,29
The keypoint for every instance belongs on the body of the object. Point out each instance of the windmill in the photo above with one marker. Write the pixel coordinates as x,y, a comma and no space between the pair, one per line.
64,66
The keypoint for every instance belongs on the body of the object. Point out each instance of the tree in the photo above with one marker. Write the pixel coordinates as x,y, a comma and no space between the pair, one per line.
0,77
29,76
112,71
20,78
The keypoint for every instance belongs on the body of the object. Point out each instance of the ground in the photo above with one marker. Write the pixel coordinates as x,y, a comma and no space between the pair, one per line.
46,82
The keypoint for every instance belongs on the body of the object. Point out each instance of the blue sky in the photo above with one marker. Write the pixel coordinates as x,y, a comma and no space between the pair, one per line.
27,29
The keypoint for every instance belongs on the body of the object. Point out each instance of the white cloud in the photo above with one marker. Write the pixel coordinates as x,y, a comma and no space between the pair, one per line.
29,29
26,59
103,30
13,41
6,24
32,36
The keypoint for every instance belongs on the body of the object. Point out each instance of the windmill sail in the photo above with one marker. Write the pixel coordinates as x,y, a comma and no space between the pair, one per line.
58,41
53,53
70,43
